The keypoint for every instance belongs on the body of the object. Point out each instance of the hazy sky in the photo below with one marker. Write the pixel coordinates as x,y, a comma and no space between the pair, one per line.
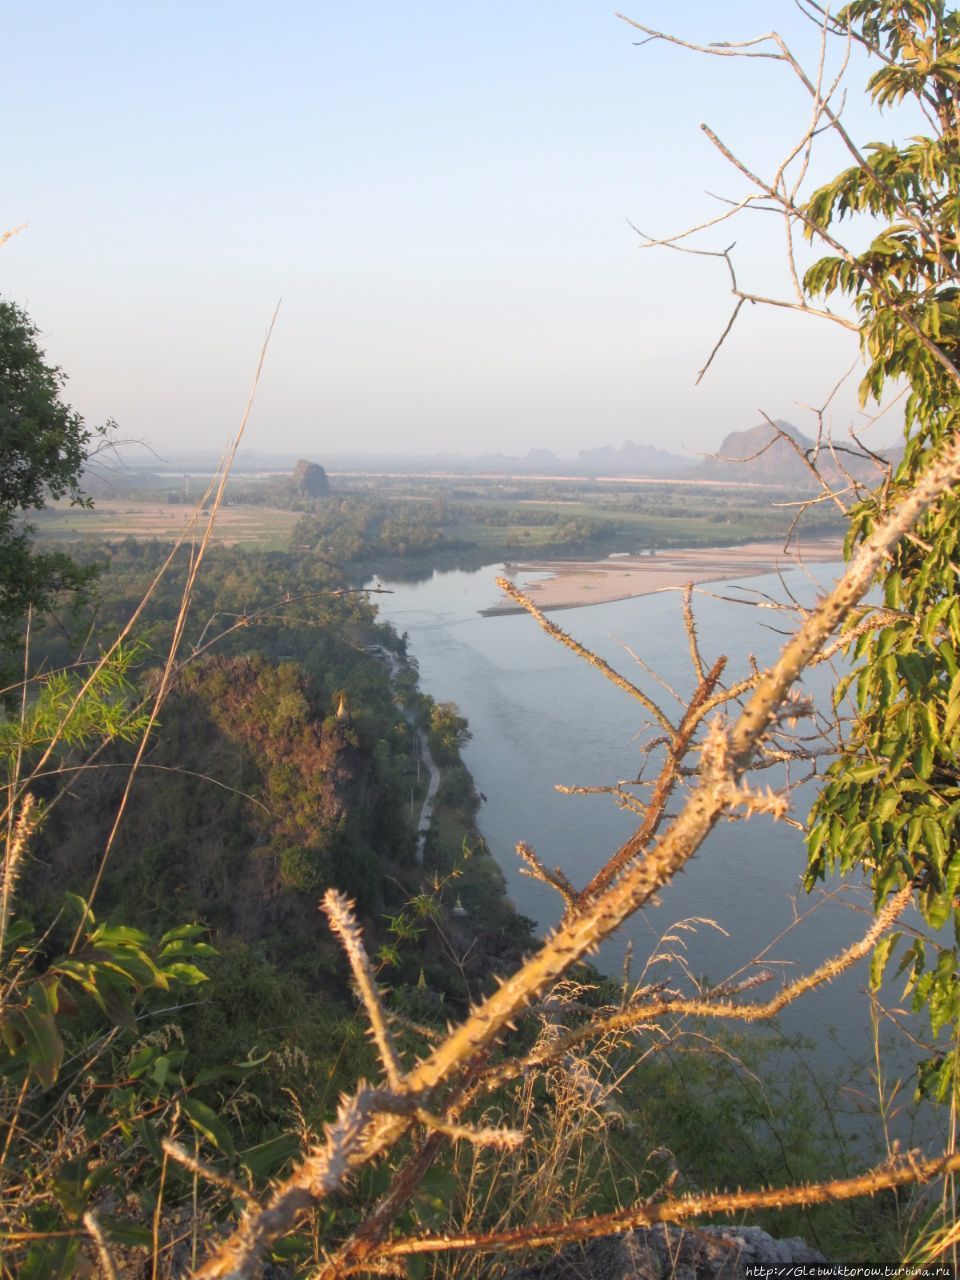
439,191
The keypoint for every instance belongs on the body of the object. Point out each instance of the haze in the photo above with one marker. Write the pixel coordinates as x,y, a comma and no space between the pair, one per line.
440,194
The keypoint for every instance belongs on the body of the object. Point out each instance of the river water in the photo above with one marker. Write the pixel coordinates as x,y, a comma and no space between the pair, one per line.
540,716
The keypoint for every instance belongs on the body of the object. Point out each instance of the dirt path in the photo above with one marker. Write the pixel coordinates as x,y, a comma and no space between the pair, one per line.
426,809
426,755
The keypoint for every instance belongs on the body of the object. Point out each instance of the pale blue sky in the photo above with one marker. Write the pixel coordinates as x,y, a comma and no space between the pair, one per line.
440,193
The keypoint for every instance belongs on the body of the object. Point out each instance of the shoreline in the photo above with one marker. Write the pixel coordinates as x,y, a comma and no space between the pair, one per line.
575,584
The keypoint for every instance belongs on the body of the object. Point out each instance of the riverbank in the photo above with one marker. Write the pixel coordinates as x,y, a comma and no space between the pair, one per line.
576,583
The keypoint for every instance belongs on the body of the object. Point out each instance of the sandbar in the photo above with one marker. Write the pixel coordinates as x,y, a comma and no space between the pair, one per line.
576,583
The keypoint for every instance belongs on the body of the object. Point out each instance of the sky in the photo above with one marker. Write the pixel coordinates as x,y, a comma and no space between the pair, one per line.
442,196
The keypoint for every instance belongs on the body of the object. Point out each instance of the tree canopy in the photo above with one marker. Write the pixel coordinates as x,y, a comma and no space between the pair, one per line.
44,444
892,801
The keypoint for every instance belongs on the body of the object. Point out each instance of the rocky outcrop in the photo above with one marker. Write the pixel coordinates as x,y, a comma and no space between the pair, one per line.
309,480
673,1253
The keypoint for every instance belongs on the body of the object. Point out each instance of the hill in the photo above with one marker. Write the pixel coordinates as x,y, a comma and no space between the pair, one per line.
761,455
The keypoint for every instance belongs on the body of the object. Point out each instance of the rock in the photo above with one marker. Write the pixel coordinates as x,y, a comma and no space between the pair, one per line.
677,1253
309,480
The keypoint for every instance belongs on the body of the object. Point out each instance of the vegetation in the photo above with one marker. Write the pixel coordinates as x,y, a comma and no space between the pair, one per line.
44,445
394,525
408,525
892,803
184,1066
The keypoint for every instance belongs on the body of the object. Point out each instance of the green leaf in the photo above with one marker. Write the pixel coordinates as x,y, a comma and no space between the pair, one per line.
127,1233
17,934
881,955
116,1001
150,1138
80,906
206,1120
181,932
188,974
57,1259
185,947
267,1158
37,1028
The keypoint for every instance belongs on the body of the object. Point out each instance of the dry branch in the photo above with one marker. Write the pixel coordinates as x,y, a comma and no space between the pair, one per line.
581,651
900,1173
365,1127
636,1014
340,913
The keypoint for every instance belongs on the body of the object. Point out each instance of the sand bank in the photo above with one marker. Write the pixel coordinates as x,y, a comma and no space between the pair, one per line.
575,583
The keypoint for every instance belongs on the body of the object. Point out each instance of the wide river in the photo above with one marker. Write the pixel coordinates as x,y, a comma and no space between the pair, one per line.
540,716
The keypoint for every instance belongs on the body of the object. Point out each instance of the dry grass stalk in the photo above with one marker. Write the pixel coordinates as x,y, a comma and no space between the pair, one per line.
23,829
106,1258
219,485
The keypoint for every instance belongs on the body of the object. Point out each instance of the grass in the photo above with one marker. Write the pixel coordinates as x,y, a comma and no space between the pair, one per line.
263,528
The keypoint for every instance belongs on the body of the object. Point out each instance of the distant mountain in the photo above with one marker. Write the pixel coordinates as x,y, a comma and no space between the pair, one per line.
139,459
759,455
542,458
633,459
753,456
629,459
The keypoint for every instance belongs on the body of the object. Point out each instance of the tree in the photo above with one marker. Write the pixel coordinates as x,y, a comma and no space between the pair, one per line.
449,732
44,445
892,803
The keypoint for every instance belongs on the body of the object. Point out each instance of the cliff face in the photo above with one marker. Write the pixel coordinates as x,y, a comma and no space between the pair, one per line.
759,455
252,801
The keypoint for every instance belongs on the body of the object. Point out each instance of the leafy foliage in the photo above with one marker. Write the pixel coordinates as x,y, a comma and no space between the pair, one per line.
892,802
43,447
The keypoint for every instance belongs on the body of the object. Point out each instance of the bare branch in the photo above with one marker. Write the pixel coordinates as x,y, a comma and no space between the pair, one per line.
8,235
691,629
183,1157
722,49
364,1127
537,871
581,651
898,1173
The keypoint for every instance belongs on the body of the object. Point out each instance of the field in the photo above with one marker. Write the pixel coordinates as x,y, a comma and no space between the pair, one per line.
112,520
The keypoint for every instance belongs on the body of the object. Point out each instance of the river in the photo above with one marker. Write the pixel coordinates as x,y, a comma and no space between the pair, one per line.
540,716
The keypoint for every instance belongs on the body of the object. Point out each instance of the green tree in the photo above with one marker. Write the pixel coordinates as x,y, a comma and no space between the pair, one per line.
890,805
449,731
44,445
892,801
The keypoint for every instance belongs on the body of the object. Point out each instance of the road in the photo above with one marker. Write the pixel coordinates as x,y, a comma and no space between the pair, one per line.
426,809
426,755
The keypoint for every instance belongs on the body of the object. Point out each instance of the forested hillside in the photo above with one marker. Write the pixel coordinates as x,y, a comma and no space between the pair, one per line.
284,763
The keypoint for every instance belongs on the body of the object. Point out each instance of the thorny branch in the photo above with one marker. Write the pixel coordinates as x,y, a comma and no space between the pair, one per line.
897,1174
581,651
635,1014
371,1121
